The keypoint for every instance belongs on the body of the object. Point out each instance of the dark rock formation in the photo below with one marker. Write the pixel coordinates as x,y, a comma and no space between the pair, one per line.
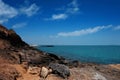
8,38
60,69
12,43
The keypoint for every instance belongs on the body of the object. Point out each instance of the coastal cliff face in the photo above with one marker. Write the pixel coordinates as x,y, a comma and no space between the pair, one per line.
8,38
19,61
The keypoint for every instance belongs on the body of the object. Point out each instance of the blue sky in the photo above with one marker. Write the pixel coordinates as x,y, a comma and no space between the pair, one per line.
63,22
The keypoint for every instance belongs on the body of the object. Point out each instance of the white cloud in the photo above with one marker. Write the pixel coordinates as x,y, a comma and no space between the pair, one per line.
19,25
57,17
70,9
6,12
83,31
117,28
31,10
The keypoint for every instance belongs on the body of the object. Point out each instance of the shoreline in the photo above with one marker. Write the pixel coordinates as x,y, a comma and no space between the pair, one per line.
84,59
23,62
106,71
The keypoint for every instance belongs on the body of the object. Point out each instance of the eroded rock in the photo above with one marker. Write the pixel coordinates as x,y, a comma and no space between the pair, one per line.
44,72
10,39
33,70
60,69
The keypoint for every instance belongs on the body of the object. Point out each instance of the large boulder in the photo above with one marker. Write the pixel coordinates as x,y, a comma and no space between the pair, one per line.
44,72
60,69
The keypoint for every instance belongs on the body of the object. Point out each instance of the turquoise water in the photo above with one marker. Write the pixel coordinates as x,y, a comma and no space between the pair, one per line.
96,54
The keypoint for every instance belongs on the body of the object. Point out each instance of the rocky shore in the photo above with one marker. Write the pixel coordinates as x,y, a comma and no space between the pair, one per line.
19,61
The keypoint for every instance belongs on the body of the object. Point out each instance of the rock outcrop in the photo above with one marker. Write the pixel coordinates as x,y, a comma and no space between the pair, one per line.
60,69
8,39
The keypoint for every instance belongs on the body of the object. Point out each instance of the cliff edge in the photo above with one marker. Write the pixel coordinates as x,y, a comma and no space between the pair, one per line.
9,38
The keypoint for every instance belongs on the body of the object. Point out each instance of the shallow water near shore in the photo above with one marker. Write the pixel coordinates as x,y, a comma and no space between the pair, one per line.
95,54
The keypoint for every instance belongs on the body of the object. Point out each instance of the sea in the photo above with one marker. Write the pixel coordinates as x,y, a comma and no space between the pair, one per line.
102,54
